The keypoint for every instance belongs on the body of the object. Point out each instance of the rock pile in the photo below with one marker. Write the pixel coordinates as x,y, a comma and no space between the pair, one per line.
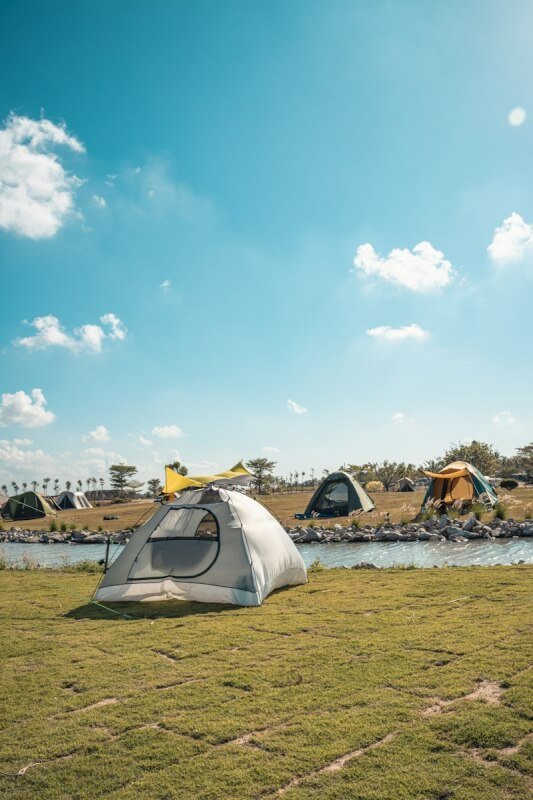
18,536
436,529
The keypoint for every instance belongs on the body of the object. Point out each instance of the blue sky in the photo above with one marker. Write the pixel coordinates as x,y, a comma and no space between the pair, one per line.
210,209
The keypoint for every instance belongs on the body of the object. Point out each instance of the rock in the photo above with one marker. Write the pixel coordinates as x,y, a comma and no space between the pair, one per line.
527,530
365,565
469,523
443,522
311,536
452,530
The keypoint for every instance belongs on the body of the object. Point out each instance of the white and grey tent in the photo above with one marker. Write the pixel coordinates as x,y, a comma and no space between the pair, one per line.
72,500
405,484
211,545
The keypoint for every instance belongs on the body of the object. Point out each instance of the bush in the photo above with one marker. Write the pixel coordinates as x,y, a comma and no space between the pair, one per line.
3,562
63,527
509,483
500,511
478,509
53,526
316,566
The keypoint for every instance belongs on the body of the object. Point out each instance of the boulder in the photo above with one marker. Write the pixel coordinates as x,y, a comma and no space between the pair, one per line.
365,565
469,523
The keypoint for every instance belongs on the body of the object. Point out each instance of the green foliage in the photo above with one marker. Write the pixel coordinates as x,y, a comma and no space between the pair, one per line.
178,467
154,485
481,455
316,566
120,475
524,457
509,483
389,472
3,560
500,511
52,527
261,469
63,527
478,509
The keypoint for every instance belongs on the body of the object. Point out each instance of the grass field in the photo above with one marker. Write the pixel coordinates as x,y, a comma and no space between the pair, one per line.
396,685
400,506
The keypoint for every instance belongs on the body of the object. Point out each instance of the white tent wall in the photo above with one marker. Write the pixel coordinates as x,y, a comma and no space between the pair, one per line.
68,500
254,557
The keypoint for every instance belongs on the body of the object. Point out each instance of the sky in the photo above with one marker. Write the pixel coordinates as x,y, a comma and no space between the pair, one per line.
295,229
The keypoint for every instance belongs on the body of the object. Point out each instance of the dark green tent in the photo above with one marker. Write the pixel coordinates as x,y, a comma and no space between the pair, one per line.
337,496
28,505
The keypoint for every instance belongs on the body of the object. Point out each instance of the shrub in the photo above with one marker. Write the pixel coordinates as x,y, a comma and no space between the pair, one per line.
478,509
500,511
509,483
316,566
63,527
3,562
53,526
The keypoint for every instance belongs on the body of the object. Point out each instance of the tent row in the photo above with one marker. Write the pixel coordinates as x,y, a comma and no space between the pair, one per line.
31,505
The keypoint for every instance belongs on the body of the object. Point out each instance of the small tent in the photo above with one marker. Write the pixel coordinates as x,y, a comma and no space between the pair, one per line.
405,484
28,505
337,496
459,481
212,545
72,500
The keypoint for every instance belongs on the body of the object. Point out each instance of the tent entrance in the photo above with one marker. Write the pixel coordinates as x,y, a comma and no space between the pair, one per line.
184,544
333,500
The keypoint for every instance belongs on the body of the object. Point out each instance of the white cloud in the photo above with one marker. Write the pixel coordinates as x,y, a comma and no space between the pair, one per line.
100,434
517,116
271,449
99,201
386,333
165,285
22,442
292,405
512,241
26,410
118,329
50,333
398,418
12,458
504,419
144,442
422,269
167,431
36,192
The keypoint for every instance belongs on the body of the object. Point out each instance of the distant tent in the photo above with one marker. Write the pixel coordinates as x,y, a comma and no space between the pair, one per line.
337,496
459,481
72,500
212,545
28,505
406,485
3,499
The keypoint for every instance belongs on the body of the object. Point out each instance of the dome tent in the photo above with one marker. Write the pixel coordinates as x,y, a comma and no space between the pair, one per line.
459,481
68,500
211,545
405,484
28,505
337,496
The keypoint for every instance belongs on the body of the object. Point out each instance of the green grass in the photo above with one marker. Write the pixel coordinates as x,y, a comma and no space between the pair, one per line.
376,669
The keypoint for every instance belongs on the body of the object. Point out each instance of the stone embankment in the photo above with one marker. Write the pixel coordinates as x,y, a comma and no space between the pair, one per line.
19,536
435,529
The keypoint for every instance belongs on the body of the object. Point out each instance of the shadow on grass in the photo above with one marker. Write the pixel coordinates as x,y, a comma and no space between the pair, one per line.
171,609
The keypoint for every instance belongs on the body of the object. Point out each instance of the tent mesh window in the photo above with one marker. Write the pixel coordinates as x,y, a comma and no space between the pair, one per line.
185,544
334,499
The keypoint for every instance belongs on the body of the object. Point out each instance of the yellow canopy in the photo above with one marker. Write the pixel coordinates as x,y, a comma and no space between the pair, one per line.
460,473
174,482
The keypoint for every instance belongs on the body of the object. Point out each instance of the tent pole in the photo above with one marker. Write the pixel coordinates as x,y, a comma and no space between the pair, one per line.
107,544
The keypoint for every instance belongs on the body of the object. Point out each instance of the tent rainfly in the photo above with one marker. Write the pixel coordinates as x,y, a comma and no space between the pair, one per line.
28,505
212,545
459,481
337,496
72,500
406,484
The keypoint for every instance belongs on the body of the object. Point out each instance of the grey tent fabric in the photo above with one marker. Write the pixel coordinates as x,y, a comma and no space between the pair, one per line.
210,545
337,496
405,485
72,500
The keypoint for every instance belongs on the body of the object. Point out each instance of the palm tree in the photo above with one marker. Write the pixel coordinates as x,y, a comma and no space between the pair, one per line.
101,482
56,486
88,482
68,485
303,479
313,475
296,476
24,485
4,488
14,484
80,486
35,484
46,481
94,482
290,480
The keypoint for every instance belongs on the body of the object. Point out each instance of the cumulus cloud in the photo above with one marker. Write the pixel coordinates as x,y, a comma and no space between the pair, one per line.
386,333
167,431
422,269
36,192
504,419
99,201
145,442
100,434
517,116
271,449
26,410
165,285
13,458
118,329
512,241
50,333
292,405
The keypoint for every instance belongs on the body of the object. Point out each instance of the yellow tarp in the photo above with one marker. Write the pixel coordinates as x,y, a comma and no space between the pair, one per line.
177,483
